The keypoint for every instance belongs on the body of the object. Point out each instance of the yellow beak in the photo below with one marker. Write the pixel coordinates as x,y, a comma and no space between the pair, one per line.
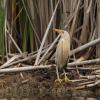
58,30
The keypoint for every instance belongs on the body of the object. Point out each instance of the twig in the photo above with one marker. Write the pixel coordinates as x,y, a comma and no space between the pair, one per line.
97,71
87,62
78,80
21,69
10,60
83,68
75,16
71,17
87,45
89,7
85,83
22,60
91,76
49,49
94,84
89,85
5,29
35,52
39,67
15,43
78,73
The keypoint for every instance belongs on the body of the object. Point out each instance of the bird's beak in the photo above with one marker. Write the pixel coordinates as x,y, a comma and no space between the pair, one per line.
58,30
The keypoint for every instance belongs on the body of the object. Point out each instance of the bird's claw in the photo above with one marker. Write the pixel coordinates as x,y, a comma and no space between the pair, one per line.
58,80
66,79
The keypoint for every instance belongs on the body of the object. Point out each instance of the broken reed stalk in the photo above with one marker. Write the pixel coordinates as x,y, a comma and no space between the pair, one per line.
12,59
87,45
28,68
21,69
87,62
92,84
75,17
84,68
51,46
21,60
14,42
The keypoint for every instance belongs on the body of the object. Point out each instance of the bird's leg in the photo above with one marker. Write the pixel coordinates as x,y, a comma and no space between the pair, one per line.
65,78
58,78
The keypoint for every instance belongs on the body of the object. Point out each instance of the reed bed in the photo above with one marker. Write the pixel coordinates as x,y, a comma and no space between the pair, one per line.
26,36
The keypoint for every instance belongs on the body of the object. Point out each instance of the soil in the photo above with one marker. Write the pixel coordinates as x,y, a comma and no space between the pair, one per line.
41,85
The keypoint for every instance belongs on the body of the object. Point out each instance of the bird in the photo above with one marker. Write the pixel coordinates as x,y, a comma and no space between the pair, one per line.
62,53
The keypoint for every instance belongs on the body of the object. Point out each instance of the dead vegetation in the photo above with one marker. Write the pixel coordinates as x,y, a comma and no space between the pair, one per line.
30,57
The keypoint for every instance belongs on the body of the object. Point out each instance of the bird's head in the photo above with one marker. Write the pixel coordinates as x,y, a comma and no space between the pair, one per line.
58,31
61,32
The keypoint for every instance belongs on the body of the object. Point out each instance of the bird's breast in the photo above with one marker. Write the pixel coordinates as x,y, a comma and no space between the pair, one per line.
62,52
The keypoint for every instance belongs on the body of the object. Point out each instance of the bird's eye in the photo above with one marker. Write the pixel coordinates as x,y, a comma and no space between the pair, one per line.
62,32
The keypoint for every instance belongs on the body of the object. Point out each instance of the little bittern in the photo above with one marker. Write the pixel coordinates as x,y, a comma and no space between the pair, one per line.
62,52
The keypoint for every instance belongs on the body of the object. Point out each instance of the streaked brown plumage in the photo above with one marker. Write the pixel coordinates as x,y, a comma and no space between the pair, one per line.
62,51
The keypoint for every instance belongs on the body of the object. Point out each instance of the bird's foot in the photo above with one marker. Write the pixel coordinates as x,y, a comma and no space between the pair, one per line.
58,80
67,80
